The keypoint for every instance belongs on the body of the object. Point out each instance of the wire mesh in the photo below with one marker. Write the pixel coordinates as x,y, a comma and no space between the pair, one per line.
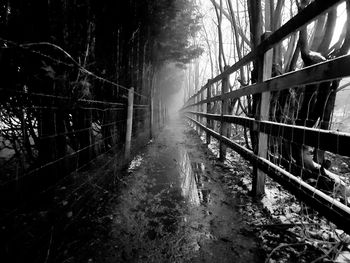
304,139
62,135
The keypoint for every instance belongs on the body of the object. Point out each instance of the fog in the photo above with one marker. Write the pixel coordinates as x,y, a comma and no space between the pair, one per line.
171,79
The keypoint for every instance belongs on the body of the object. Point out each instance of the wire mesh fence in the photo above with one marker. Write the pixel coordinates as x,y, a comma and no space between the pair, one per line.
62,143
43,132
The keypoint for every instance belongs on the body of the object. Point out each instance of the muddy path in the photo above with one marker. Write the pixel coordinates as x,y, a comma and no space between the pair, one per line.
173,208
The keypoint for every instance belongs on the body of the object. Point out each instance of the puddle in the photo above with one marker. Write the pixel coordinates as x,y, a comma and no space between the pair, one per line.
193,180
169,192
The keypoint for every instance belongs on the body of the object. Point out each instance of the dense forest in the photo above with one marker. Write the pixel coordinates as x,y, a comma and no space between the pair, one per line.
66,70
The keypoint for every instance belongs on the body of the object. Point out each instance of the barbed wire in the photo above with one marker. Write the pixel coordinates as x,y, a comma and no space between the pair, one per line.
24,107
141,105
51,187
75,152
63,97
27,46
79,131
8,214
56,161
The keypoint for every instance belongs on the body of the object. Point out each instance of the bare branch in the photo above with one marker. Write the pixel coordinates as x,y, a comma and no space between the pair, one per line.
239,29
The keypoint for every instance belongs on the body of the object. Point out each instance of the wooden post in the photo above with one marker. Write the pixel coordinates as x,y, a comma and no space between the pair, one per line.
164,115
208,111
224,127
151,117
200,110
201,106
159,113
193,108
129,123
196,99
265,72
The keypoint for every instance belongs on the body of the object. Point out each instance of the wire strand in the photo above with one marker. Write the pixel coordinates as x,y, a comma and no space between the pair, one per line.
76,63
56,161
63,97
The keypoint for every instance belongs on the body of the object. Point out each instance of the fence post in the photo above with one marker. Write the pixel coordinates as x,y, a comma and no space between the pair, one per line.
265,72
199,110
194,108
164,115
224,127
159,113
151,117
129,123
196,99
208,111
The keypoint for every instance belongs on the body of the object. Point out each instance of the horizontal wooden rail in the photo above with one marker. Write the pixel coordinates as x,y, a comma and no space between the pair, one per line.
307,15
326,71
336,142
327,206
292,178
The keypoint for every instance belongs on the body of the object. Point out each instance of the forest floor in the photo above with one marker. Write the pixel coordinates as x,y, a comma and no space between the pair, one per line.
173,208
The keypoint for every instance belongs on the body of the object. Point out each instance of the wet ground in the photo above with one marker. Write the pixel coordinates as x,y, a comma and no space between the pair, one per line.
173,208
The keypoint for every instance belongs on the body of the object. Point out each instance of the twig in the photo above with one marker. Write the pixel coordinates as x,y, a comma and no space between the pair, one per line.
48,250
121,180
283,226
99,187
179,240
320,258
338,251
282,246
326,254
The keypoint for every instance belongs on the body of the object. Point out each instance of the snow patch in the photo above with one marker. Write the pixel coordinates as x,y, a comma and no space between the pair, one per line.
135,163
344,257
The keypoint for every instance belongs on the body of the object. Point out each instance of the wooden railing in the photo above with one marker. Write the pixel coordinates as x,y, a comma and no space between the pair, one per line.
199,111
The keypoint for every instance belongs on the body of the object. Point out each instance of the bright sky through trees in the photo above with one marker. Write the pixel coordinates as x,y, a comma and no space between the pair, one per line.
209,33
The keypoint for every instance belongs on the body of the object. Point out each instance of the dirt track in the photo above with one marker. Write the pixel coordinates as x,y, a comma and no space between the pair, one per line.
173,208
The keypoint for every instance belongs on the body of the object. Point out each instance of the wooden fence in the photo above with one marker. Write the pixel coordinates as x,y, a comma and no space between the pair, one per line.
199,111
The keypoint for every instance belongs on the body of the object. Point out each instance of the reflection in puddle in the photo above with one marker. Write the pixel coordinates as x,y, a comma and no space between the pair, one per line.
162,210
192,178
